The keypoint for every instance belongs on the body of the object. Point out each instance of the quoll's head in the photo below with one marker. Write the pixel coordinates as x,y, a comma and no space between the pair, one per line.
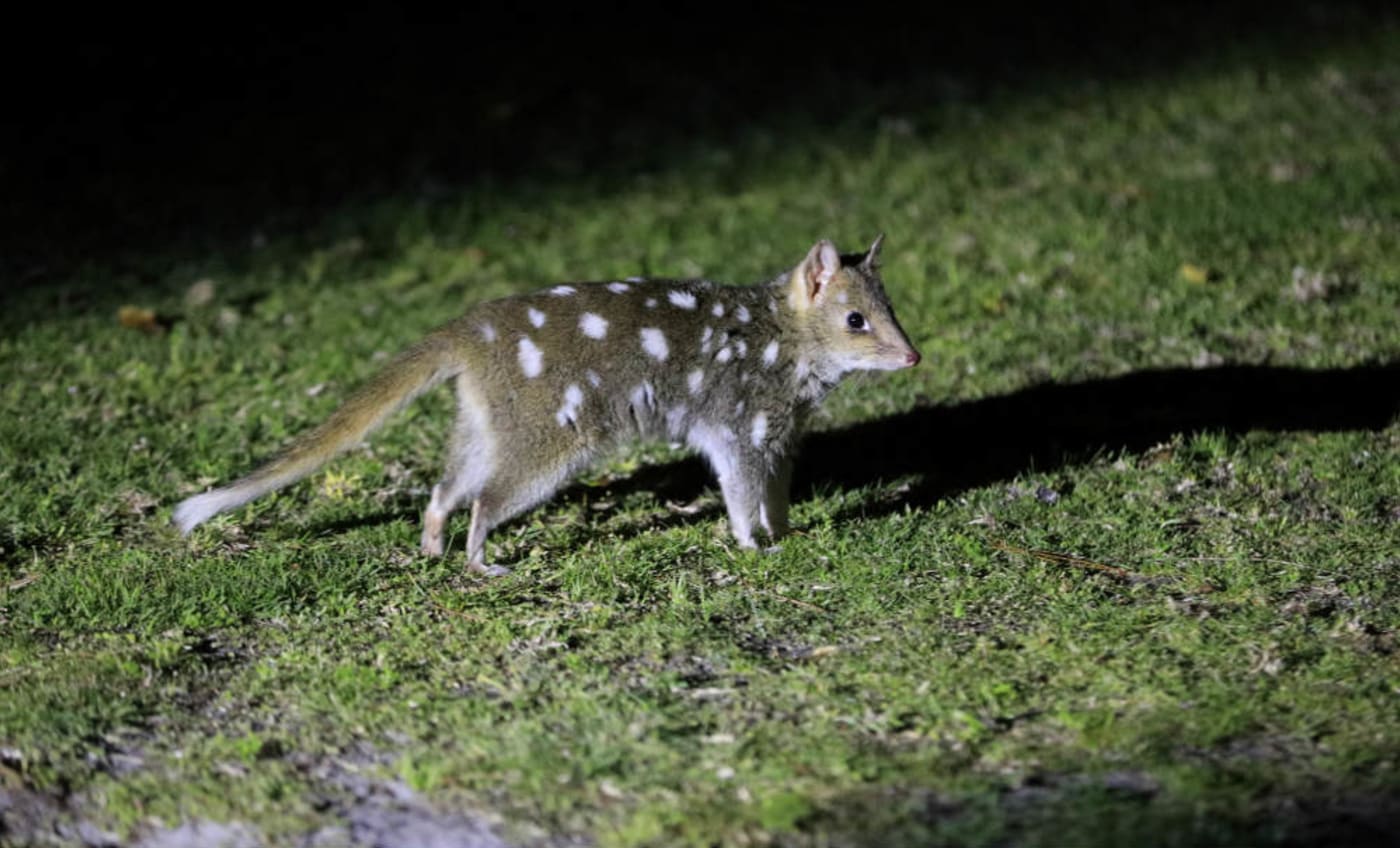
842,305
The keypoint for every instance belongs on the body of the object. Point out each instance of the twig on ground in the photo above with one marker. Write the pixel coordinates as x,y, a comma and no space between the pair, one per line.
1064,559
22,582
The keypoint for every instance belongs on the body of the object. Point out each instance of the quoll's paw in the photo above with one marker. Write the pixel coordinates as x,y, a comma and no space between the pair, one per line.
489,570
773,549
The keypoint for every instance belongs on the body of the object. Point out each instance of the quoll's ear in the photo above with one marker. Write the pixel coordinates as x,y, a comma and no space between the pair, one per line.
872,256
810,280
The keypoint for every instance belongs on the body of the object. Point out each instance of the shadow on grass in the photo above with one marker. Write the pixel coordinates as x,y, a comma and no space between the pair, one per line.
950,449
964,446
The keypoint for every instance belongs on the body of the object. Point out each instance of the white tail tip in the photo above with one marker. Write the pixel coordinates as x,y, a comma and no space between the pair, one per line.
194,511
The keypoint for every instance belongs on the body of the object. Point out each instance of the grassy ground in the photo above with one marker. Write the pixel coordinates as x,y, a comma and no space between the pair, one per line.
1120,564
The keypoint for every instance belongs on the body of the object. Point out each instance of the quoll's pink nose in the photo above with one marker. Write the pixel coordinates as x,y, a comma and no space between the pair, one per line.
912,358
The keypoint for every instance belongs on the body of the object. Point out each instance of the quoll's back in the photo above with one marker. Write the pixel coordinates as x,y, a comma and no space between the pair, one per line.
621,361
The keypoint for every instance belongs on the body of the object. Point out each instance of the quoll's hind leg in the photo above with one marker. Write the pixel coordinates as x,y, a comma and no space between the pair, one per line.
448,495
470,464
483,519
514,489
434,519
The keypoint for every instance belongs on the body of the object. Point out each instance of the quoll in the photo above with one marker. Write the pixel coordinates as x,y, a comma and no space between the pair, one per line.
546,382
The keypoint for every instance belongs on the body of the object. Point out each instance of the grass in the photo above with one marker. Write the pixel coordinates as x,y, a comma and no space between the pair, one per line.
1113,567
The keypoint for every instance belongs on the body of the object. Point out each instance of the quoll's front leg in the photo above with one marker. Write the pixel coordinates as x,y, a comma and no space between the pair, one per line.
742,500
773,512
740,476
742,481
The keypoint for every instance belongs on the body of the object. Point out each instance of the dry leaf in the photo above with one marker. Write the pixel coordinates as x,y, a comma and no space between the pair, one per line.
1194,274
137,502
692,508
139,318
337,486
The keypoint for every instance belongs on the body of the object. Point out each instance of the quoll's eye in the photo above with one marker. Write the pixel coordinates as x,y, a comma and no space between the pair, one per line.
855,321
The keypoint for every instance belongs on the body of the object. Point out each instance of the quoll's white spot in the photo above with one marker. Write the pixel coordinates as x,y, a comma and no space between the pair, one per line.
568,412
592,325
760,429
531,358
770,353
654,343
593,379
643,396
650,303
705,336
488,332
537,317
841,297
741,348
695,380
742,313
681,299
717,310
724,355
773,306
562,291
619,288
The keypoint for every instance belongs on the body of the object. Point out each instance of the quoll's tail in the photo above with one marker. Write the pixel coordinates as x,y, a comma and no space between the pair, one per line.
411,373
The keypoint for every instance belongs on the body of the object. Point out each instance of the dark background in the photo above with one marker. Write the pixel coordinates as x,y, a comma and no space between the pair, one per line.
125,135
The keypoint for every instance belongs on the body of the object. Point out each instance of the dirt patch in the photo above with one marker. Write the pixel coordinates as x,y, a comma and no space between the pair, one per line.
362,812
39,819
